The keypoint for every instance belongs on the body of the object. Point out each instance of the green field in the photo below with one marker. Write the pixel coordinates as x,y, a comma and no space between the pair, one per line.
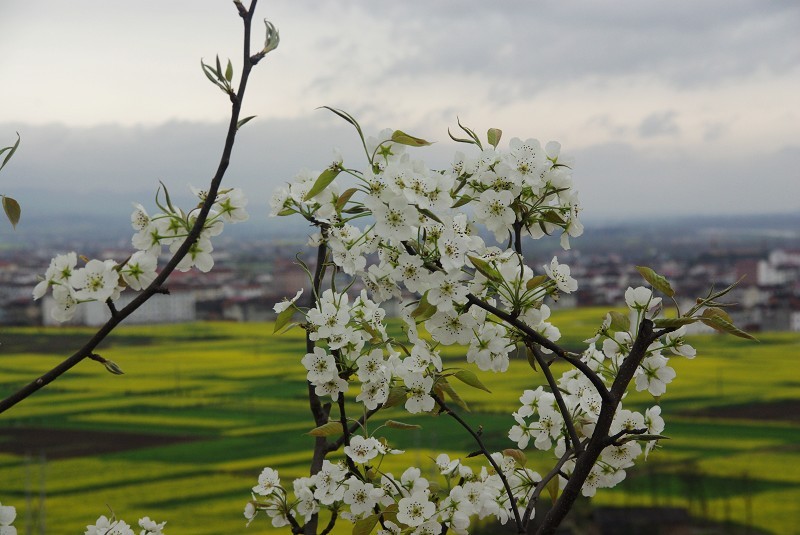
202,408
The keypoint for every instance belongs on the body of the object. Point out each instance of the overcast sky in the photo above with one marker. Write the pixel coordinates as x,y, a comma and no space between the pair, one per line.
670,108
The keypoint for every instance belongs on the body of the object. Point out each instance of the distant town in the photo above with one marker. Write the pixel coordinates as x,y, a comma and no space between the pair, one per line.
256,269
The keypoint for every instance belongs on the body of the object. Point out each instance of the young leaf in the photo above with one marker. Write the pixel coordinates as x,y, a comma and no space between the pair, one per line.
11,150
656,281
12,210
401,425
535,281
718,319
673,323
517,455
552,489
467,377
344,197
424,310
229,71
485,268
325,178
619,322
283,319
244,121
427,213
112,367
398,136
397,395
446,387
365,525
464,199
326,430
494,135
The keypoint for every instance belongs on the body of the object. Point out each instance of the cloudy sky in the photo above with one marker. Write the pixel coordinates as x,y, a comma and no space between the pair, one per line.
670,108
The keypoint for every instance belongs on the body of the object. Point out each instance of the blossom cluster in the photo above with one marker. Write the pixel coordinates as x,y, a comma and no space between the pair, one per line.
112,526
407,233
104,280
407,503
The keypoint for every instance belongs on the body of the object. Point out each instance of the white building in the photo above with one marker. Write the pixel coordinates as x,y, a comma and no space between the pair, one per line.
177,307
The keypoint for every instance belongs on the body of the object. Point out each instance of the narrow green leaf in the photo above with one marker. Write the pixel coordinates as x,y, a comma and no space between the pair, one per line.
551,216
531,358
401,425
485,268
283,319
656,281
365,525
219,69
447,387
325,178
718,320
494,135
398,136
229,71
12,209
347,117
517,455
464,199
471,133
241,122
459,139
11,150
430,215
673,323
619,322
469,378
326,430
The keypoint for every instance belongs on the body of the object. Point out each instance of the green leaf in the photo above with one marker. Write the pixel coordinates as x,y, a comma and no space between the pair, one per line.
718,319
464,199
467,377
531,358
401,425
551,216
446,387
283,319
398,136
459,139
326,430
427,213
344,197
494,135
517,455
218,72
485,268
241,122
673,323
397,395
229,71
11,150
656,281
325,178
533,282
619,322
424,309
112,367
12,210
365,525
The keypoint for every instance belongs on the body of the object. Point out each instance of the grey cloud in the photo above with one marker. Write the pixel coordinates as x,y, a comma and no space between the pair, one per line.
659,124
687,44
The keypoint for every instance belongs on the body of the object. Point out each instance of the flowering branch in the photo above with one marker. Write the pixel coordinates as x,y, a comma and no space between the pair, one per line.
156,286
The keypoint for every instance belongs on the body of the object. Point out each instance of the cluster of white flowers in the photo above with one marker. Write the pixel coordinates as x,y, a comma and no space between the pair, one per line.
421,248
411,502
103,280
112,526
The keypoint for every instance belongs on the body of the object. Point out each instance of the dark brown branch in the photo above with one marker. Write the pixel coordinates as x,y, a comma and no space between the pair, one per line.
447,410
539,339
537,491
157,285
562,406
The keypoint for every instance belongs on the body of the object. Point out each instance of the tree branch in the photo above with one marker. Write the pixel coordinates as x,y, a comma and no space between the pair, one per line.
157,285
